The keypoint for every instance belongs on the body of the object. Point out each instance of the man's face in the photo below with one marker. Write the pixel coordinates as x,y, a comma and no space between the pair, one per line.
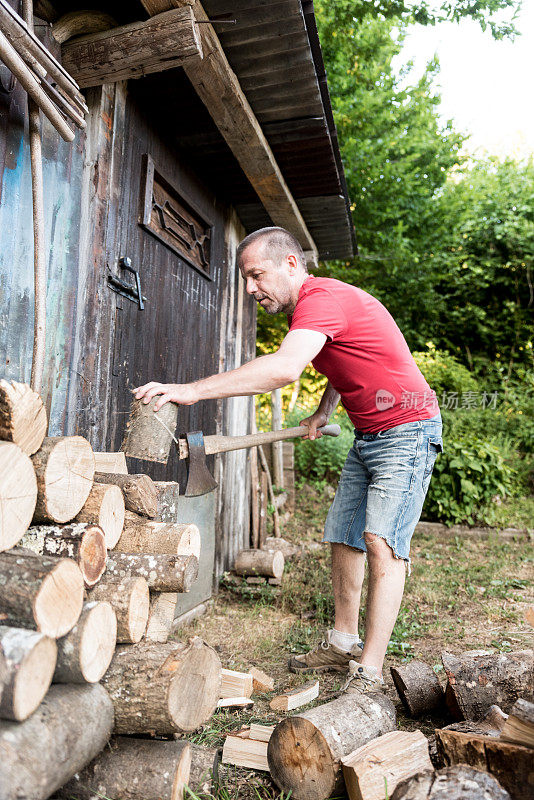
268,282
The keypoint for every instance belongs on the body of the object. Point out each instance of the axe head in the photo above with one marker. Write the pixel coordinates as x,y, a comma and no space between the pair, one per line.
199,478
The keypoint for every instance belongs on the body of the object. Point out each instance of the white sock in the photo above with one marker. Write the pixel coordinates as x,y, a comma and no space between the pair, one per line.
345,641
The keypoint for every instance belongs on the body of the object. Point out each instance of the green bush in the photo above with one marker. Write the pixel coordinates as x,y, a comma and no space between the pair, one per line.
322,459
443,372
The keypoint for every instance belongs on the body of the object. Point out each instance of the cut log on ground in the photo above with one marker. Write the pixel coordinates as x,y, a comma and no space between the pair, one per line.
134,769
242,751
373,771
130,600
161,616
105,507
295,698
163,573
260,562
163,688
85,653
305,750
235,684
141,535
70,727
418,687
510,764
168,494
203,777
149,435
261,682
40,592
18,494
22,416
64,466
478,679
139,491
81,541
111,462
453,783
519,727
288,549
29,659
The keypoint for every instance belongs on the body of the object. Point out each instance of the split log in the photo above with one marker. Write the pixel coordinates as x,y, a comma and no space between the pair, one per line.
161,616
452,783
261,732
478,679
134,769
111,462
64,466
295,698
234,684
260,562
148,435
40,592
163,573
139,491
72,725
235,702
18,494
168,494
418,687
374,770
242,751
510,764
204,774
305,750
81,541
22,416
261,682
29,659
130,599
145,536
85,653
163,688
519,727
105,507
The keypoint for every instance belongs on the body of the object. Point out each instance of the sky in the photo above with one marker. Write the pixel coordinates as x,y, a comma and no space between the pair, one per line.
486,85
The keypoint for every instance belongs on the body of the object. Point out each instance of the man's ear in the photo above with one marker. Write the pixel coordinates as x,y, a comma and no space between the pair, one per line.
293,263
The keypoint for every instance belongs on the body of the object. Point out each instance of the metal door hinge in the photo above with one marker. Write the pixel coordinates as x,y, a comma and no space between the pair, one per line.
125,289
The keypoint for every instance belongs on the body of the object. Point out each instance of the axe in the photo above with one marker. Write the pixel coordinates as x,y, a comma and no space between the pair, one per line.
195,447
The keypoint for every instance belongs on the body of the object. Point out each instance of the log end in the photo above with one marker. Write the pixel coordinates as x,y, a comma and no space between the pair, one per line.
68,478
34,675
278,564
300,760
112,515
138,610
18,494
183,771
93,555
59,601
98,641
194,691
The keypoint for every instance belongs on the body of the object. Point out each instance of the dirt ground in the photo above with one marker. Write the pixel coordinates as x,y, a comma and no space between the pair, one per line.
462,594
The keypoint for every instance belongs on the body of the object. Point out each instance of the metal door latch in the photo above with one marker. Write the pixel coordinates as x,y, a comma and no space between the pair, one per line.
133,293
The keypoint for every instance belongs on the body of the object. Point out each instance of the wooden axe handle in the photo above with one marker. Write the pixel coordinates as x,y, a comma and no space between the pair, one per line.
223,444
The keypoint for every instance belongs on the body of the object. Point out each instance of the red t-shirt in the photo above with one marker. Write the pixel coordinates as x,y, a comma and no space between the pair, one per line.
365,357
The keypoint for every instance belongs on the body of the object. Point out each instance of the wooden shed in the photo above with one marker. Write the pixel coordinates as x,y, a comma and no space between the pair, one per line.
176,164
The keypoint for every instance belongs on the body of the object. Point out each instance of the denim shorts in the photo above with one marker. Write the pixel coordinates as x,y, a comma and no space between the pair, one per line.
383,485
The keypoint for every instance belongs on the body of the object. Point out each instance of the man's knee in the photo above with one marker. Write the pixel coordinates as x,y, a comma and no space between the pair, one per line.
378,550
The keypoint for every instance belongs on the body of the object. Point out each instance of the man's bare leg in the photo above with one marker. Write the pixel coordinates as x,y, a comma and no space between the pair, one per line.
348,566
384,595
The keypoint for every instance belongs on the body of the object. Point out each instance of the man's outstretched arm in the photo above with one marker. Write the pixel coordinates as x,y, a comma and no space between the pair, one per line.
260,375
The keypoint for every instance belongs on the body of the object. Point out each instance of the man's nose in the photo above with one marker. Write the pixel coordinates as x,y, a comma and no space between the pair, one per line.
250,286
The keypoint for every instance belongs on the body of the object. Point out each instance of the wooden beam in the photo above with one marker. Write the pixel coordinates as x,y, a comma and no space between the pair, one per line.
132,51
218,87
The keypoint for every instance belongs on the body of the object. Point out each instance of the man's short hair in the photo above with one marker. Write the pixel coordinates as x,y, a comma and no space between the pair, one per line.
277,242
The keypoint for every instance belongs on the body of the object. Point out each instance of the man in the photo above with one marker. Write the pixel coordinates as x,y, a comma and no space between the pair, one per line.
351,338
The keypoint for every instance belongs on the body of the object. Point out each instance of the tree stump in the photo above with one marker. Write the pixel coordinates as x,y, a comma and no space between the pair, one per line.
72,725
161,616
105,507
85,653
29,659
22,416
145,536
163,688
260,562
134,769
453,783
418,687
305,750
130,599
84,543
149,435
64,466
163,573
41,592
139,491
18,494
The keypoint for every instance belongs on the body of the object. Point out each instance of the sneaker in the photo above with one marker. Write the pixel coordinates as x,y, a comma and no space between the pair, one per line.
363,679
325,657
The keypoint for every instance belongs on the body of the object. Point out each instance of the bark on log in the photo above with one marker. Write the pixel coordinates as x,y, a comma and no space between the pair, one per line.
163,688
168,494
453,783
22,416
18,494
29,659
260,562
84,543
163,573
84,654
72,725
139,491
418,687
130,599
305,750
478,679
145,536
289,550
134,769
161,616
204,773
149,435
105,507
64,466
40,592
